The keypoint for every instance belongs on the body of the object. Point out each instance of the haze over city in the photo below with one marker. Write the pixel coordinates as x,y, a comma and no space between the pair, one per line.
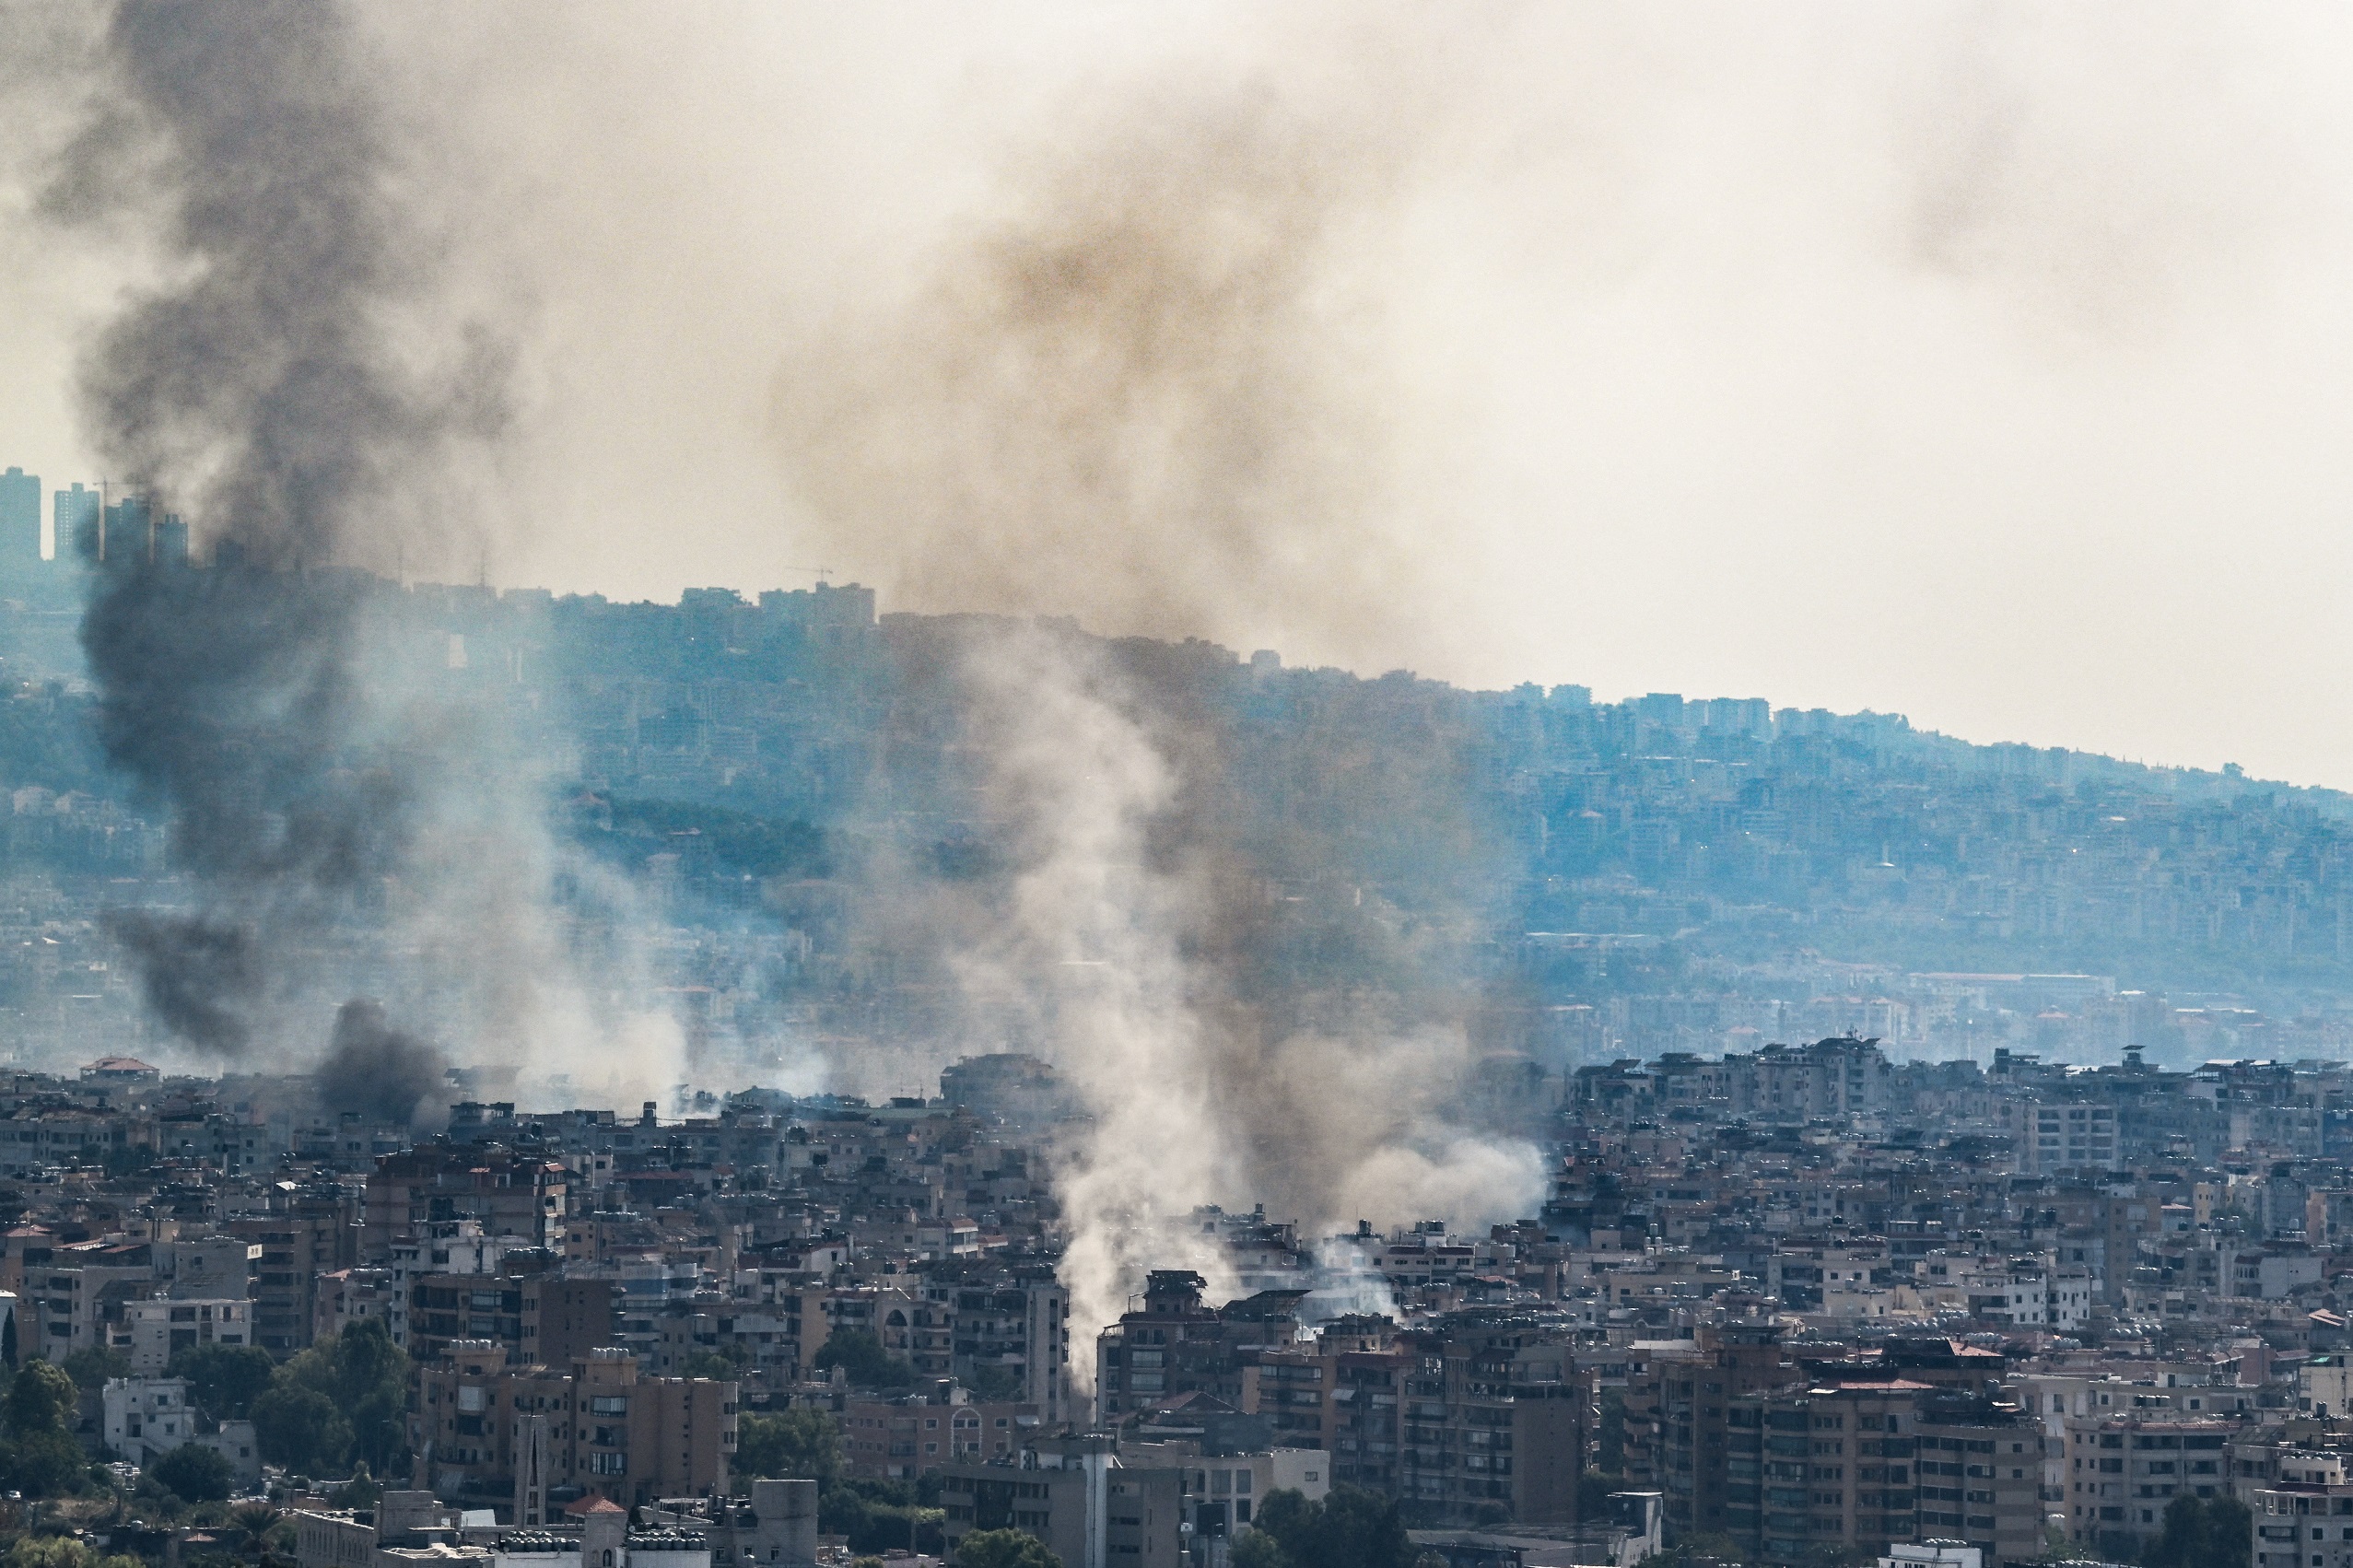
1975,364
1302,786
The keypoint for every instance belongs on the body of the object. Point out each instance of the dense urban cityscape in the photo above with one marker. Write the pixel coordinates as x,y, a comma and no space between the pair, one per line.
1945,1148
1037,1046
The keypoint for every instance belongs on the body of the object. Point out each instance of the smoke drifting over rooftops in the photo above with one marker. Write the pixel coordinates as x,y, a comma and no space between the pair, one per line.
374,1068
1676,351
1144,392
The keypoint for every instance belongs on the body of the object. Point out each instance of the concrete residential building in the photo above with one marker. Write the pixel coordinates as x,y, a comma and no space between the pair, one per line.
2304,1517
155,1331
475,1424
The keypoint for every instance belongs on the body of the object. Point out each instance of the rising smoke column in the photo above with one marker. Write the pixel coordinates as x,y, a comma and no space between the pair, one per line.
1134,398
1087,959
262,390
374,1068
297,386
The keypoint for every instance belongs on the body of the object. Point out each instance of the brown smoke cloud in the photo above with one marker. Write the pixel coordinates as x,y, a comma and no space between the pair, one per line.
1147,388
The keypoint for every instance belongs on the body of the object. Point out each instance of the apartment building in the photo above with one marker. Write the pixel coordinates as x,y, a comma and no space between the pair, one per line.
1494,1414
2304,1517
2123,1471
899,1439
595,1428
1978,1473
1175,1345
1821,1468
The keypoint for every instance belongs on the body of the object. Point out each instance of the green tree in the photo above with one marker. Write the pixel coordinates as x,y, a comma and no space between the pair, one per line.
89,1369
41,1457
1593,1488
800,1444
881,1516
60,1551
363,1490
1349,1528
192,1472
2203,1533
259,1529
300,1426
347,1394
46,1464
41,1398
1004,1548
863,1361
127,1160
1256,1549
225,1380
717,1365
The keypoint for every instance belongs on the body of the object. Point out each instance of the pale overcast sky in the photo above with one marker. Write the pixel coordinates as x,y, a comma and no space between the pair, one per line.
1987,364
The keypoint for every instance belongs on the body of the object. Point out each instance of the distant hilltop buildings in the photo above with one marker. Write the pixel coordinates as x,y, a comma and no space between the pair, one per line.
84,527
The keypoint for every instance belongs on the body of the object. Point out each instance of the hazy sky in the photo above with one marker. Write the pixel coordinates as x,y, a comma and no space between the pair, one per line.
1985,364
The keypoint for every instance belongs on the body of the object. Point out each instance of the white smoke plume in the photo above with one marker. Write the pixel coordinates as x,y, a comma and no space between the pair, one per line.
1088,960
1114,952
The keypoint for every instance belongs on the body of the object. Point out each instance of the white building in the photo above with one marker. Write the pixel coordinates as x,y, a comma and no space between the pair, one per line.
145,1418
157,1330
1933,1555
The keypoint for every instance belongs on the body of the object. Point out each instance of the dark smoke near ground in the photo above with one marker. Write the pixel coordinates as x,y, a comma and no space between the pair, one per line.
383,1074
268,392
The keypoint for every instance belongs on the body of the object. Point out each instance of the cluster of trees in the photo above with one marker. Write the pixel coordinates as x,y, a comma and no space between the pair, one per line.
804,1443
60,1552
1346,1529
1004,1549
2214,1532
864,1360
338,1404
40,1455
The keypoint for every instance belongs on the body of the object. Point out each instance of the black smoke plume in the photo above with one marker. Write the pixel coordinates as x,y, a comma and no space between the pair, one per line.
271,389
387,1076
198,976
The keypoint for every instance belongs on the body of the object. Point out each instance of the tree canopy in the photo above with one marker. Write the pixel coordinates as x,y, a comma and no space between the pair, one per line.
802,1443
225,1380
60,1551
1004,1548
194,1472
2215,1532
342,1399
863,1361
1346,1529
